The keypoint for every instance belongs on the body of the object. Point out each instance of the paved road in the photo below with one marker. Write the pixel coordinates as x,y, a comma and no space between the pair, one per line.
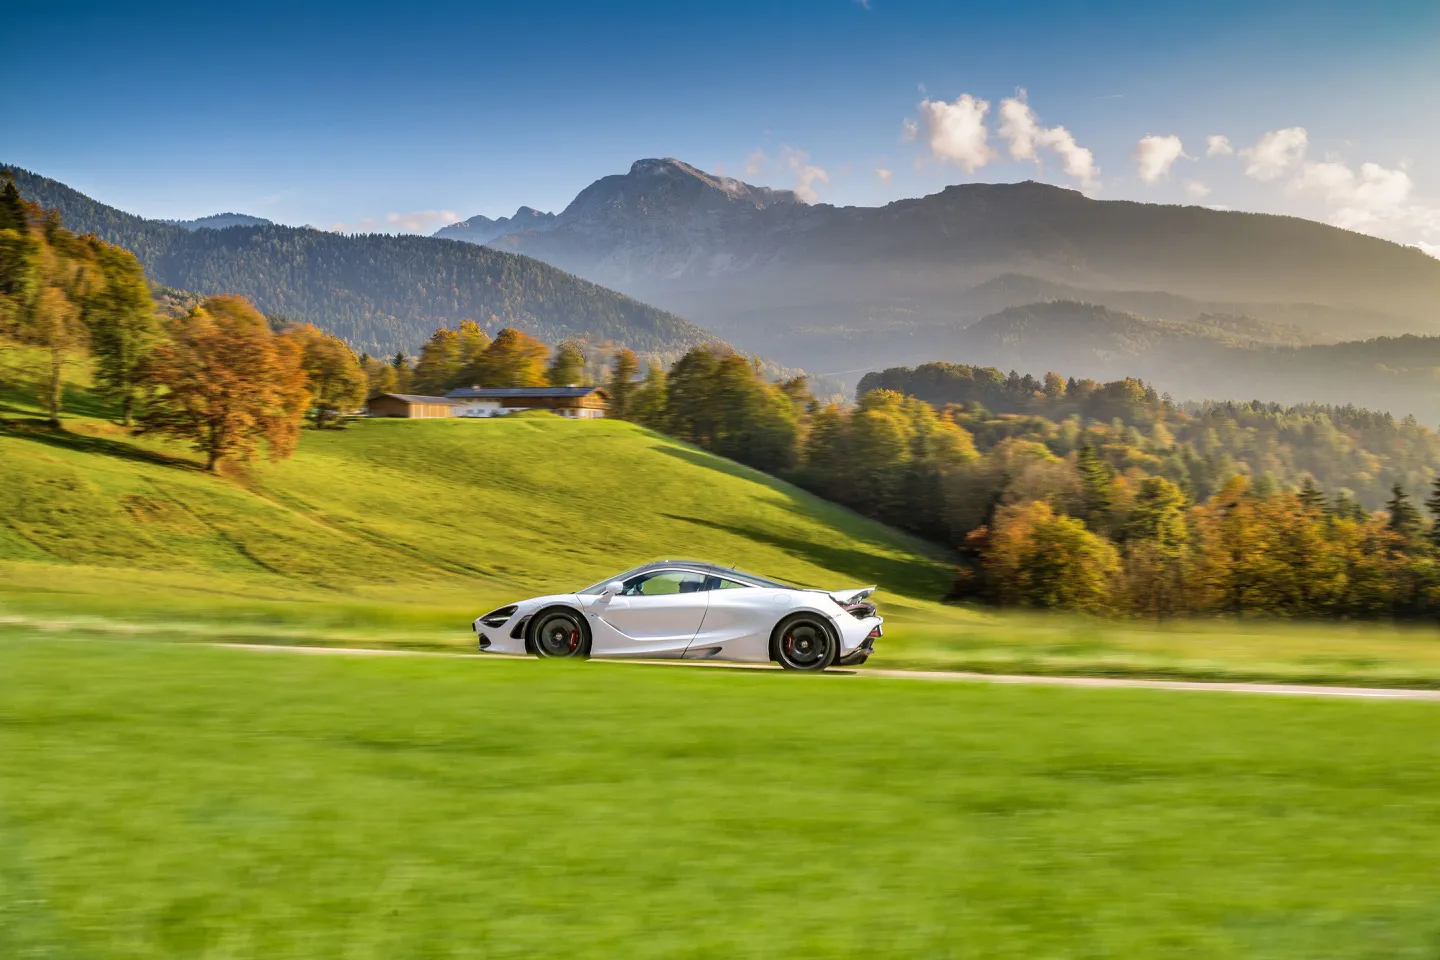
1274,689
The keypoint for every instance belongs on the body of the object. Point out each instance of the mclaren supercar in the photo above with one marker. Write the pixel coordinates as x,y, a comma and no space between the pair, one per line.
673,609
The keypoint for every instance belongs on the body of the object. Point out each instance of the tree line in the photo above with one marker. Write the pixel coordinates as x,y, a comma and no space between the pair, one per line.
1124,503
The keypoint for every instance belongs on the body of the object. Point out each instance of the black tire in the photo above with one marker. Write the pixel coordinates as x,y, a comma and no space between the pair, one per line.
804,642
559,633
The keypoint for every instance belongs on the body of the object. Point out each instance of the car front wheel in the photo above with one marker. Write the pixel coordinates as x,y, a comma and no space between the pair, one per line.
804,642
559,633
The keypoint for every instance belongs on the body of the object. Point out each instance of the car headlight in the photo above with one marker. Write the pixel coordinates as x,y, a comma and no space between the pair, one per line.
497,618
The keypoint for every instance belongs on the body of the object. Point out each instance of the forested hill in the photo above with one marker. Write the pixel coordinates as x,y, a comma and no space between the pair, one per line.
381,293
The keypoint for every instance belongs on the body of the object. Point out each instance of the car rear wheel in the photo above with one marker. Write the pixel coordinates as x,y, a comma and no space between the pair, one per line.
559,633
804,642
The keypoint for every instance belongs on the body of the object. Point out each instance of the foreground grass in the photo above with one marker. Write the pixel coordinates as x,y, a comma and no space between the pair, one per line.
164,801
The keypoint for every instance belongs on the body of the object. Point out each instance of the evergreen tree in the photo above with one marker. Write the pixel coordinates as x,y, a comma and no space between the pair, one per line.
621,385
1404,518
649,406
1432,507
14,214
1310,497
1097,489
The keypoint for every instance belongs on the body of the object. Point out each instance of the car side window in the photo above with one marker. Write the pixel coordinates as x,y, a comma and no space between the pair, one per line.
720,583
664,583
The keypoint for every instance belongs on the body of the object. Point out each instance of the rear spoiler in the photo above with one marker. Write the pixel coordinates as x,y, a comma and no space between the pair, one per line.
854,595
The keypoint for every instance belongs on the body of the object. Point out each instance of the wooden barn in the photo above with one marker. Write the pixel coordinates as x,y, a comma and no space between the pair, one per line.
409,406
581,403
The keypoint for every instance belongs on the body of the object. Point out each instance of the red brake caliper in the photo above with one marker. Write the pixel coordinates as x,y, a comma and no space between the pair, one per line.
574,640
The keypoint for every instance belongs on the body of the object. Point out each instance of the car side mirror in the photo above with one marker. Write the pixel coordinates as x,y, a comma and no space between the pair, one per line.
613,589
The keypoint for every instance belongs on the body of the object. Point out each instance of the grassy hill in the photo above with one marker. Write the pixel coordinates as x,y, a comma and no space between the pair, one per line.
402,528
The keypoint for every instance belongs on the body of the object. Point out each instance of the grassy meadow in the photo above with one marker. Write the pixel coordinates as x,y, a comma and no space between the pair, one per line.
203,802
397,533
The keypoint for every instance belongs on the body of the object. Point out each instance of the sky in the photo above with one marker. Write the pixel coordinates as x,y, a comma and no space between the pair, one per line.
403,117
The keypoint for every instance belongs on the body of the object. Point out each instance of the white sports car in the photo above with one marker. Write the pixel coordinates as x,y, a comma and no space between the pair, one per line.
697,611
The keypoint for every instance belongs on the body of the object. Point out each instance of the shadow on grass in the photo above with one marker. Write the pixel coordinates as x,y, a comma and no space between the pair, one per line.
889,573
41,431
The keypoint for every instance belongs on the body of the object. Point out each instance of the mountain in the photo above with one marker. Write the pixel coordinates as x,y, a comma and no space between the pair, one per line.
814,282
482,229
381,293
1212,357
220,221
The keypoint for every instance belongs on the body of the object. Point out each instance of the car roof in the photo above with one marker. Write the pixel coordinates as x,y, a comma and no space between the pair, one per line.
712,568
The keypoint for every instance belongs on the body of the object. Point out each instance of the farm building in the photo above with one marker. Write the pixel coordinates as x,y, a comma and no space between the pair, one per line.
409,405
576,402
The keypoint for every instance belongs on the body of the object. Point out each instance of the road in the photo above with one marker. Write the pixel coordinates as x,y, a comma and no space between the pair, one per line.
1272,689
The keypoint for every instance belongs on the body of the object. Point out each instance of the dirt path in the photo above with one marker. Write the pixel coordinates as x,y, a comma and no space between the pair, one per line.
1274,689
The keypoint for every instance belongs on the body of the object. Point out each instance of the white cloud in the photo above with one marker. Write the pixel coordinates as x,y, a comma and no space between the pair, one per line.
1018,126
1218,145
1021,129
422,221
1197,189
909,130
884,173
1431,248
1154,156
418,221
756,162
1275,153
806,175
1374,197
954,132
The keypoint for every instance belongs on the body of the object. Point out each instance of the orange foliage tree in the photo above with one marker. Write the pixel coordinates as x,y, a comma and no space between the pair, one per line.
225,382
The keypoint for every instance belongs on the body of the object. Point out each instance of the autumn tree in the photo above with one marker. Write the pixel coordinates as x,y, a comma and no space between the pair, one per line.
513,359
621,385
472,342
439,364
379,376
1033,557
336,381
226,383
567,365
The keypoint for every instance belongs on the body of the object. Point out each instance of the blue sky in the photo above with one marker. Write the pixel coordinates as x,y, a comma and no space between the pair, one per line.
393,116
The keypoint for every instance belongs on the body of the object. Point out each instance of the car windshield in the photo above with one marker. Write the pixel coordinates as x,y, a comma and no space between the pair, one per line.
746,579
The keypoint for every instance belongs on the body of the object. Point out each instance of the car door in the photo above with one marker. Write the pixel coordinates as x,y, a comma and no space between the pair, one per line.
655,616
738,620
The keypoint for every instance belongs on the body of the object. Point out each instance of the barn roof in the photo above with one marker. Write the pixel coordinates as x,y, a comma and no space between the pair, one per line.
503,393
413,398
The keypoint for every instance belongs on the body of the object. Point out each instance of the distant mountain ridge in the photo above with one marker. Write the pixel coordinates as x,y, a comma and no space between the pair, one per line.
1212,357
479,229
379,292
799,280
220,221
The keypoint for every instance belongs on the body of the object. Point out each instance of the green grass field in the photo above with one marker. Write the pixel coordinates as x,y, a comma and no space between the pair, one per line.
164,801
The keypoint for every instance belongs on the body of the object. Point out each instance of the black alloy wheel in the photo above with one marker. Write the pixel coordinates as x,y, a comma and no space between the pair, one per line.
805,642
558,634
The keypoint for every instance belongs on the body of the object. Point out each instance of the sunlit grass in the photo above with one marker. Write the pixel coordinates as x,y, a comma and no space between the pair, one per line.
163,801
